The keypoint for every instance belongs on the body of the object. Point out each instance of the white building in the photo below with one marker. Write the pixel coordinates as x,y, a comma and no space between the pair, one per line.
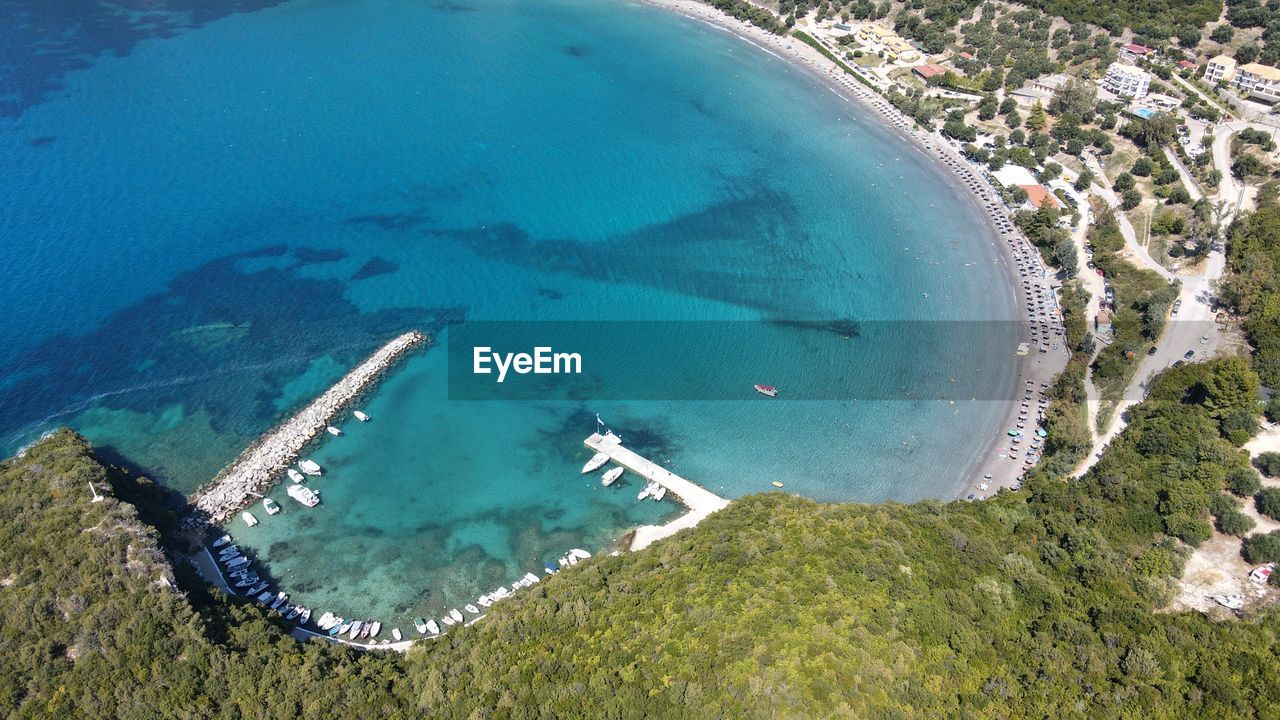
1220,69
1261,82
1126,80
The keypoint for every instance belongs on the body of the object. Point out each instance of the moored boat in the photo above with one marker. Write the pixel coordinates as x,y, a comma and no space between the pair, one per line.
334,431
649,489
420,625
264,598
304,616
221,541
241,560
611,475
356,627
395,633
457,616
377,628
248,518
579,553
432,627
361,416
325,620
341,628
304,495
310,467
256,588
550,569
446,620
530,578
280,598
471,609
596,461
294,475
660,493
271,506
767,390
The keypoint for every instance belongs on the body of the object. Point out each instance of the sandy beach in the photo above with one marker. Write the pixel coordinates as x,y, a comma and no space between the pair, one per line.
1002,462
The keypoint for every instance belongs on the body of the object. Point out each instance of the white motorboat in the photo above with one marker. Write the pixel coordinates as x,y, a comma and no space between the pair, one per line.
257,589
356,627
325,620
471,609
304,495
304,616
611,475
294,475
242,560
221,541
395,633
280,598
375,629
248,518
564,562
660,493
271,506
530,578
420,625
649,489
596,461
1231,602
310,467
264,597
361,416
334,431
229,551
457,616
432,627
570,559
579,553
294,612
447,620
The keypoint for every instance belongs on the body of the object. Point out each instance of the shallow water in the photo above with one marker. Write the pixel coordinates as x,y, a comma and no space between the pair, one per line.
210,219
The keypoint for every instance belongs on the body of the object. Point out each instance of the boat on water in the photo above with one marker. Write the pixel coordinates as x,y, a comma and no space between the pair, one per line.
649,489
549,568
564,562
366,630
377,628
304,616
280,598
1230,602
221,541
579,553
285,609
230,550
325,619
310,467
304,495
293,613
242,560
611,475
248,518
356,627
247,581
333,431
447,620
294,475
471,609
767,390
341,628
660,493
271,506
570,560
265,597
530,578
595,463
395,633
420,624
433,627
257,588
361,416
457,616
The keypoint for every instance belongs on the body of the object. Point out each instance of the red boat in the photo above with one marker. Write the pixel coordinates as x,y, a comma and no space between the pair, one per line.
767,390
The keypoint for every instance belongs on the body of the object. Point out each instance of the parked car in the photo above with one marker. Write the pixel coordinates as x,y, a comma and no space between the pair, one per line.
1151,351
1188,354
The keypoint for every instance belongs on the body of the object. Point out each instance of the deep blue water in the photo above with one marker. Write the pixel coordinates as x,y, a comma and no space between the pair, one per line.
208,216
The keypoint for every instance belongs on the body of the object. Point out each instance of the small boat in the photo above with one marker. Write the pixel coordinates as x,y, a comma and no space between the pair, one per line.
304,616
775,483
229,551
294,475
484,601
334,431
1231,602
341,628
395,633
551,569
271,506
361,416
648,490
570,560
366,630
242,560
660,493
264,598
596,461
221,541
611,476
325,619
303,494
280,598
432,627
248,518
579,553
471,609
310,467
420,625
530,578
355,629
294,612
447,620
457,616
564,562
247,581
377,628
257,588
766,390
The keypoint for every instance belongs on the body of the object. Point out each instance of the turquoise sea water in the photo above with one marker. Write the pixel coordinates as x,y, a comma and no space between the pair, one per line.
210,215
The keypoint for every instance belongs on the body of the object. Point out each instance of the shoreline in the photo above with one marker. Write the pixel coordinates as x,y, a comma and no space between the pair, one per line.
1035,300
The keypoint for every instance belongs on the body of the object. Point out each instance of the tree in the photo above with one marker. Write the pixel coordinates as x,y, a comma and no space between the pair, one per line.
1268,463
1246,54
1074,98
1067,256
1179,196
1243,482
1008,105
1037,119
1267,502
1273,409
1234,522
1262,548
1124,181
1083,181
1130,199
1247,165
1142,167
1013,119
1222,34
987,108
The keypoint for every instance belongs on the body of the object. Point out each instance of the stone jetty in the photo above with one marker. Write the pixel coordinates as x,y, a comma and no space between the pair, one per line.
261,465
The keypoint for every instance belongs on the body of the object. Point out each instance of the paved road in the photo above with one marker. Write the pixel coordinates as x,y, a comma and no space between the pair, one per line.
1193,188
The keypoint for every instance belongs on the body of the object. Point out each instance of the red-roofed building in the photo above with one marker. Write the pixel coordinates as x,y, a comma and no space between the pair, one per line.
1038,196
966,56
1186,64
926,72
1133,51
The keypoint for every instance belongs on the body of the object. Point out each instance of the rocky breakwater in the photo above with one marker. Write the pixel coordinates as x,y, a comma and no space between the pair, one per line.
263,462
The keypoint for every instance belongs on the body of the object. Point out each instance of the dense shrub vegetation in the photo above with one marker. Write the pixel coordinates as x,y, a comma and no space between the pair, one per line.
1032,604
1253,286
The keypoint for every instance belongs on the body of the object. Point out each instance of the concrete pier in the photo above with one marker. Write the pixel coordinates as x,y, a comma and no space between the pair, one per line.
261,465
700,501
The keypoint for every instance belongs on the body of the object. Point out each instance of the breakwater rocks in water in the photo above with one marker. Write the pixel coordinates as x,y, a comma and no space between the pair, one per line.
258,467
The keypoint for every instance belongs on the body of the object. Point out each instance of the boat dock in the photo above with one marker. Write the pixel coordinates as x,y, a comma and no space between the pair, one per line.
263,462
700,501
